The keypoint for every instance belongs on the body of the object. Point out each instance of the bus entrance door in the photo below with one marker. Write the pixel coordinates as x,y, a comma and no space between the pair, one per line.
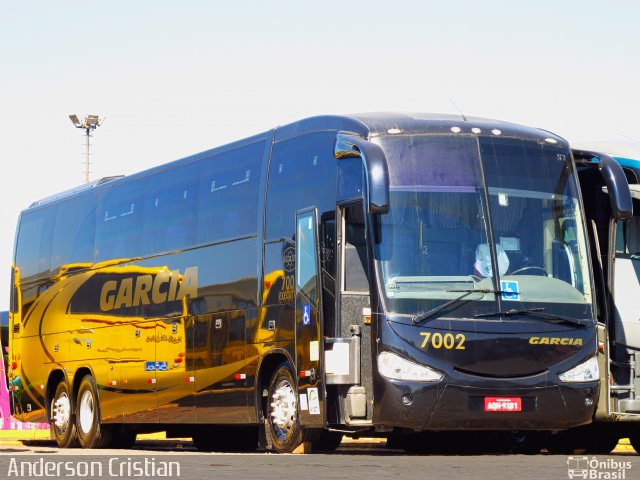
626,289
309,334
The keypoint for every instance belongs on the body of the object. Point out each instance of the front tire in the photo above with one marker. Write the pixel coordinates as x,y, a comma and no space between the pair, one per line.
283,429
91,433
62,426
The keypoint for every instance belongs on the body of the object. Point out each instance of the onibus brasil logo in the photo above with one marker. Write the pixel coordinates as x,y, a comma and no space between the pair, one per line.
593,468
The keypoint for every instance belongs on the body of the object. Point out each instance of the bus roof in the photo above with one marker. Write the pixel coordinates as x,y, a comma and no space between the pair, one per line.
370,125
367,125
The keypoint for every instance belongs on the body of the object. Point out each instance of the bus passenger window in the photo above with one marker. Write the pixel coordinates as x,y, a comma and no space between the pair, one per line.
170,211
302,173
34,241
228,194
119,222
73,237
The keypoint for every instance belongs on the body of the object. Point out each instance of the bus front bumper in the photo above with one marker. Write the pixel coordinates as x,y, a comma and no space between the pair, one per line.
455,407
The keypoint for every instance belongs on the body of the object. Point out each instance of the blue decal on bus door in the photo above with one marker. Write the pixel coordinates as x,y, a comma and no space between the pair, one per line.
510,290
306,314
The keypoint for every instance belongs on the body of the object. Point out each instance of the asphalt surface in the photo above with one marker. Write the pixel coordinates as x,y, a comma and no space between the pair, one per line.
358,460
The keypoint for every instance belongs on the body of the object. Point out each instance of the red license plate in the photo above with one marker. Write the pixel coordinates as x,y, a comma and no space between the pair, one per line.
502,404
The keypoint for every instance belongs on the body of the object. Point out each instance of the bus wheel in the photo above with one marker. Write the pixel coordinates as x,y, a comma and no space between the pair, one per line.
64,430
91,433
283,425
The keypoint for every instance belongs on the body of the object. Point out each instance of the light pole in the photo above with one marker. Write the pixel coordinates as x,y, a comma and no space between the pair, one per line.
91,122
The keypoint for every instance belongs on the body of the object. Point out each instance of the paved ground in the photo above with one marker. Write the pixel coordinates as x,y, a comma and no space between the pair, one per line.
359,460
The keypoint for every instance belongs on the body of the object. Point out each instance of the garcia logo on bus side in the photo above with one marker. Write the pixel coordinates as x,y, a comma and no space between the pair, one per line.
139,290
555,341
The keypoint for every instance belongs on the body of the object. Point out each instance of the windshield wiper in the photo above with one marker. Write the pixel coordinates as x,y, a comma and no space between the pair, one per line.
537,313
465,293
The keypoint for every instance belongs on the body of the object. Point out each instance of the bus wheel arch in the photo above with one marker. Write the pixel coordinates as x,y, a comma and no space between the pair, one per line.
267,367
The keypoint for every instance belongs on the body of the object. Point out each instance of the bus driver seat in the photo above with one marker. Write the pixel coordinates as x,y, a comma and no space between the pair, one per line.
482,266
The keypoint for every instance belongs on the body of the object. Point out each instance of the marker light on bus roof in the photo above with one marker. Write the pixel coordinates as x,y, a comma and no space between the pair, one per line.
476,130
393,131
495,131
456,129
552,141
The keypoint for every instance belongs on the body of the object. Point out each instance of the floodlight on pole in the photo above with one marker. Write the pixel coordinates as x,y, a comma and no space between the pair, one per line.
91,122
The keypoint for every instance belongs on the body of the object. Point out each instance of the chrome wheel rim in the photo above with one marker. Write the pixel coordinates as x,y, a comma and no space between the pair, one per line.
284,408
61,412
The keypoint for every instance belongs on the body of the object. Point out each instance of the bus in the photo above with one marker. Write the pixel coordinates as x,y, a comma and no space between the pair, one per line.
375,274
616,253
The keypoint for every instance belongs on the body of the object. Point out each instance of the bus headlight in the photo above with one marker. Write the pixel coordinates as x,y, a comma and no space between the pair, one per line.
585,372
394,367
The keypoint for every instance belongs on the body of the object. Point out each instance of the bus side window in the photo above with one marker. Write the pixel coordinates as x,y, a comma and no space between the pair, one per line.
628,234
34,241
228,194
119,222
170,210
74,234
633,235
302,173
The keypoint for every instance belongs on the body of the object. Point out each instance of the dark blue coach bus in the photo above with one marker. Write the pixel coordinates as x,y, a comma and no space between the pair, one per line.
374,274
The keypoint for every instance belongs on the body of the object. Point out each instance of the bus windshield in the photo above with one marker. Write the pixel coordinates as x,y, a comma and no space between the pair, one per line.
449,195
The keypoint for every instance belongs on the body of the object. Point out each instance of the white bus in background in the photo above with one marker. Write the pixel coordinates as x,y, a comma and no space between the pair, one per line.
616,243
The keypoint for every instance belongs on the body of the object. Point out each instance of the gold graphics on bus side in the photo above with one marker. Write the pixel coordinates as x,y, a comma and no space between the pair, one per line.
133,291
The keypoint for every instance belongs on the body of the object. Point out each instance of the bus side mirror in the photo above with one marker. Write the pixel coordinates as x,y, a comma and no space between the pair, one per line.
375,167
615,181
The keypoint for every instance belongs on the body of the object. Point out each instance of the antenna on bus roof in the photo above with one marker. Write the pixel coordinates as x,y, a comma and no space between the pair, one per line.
457,108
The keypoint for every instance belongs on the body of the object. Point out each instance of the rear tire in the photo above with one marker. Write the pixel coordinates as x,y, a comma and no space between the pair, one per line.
283,429
62,426
91,433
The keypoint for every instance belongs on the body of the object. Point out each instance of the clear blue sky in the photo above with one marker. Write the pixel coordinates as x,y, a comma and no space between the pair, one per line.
174,78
